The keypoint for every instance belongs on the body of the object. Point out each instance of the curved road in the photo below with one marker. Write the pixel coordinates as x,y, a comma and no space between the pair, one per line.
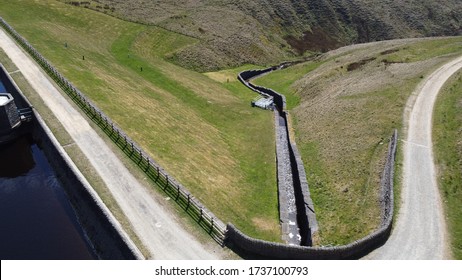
420,230
159,230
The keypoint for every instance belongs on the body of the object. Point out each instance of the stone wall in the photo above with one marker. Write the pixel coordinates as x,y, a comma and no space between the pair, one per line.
305,215
356,249
305,207
289,214
244,77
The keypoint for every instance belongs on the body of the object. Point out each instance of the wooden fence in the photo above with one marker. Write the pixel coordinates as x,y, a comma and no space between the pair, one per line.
206,219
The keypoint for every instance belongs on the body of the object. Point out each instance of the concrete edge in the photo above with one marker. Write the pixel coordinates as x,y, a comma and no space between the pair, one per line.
81,178
89,189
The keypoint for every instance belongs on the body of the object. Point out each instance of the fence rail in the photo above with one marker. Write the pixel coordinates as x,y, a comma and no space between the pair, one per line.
206,219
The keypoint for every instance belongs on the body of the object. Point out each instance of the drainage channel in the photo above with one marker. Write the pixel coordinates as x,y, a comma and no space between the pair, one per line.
296,211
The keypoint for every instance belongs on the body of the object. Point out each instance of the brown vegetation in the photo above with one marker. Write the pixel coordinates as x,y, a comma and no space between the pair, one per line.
342,123
355,65
315,40
233,33
348,108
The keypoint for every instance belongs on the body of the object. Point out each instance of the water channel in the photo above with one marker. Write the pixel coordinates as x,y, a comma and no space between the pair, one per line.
2,87
37,220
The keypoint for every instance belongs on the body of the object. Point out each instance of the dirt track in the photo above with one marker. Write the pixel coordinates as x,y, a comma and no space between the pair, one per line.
159,230
420,230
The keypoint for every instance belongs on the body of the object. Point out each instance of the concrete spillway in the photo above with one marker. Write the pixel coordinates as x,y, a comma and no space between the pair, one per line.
296,211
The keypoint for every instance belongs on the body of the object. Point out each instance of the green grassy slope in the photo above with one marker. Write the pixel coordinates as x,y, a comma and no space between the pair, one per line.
282,80
345,110
447,135
202,131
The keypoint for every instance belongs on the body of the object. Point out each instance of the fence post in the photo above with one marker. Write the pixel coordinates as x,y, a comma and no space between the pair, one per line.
148,164
101,119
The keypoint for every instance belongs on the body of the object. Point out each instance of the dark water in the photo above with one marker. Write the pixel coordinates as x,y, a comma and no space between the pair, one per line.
2,87
36,218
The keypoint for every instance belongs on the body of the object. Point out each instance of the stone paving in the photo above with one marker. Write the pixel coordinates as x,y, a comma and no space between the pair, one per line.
287,203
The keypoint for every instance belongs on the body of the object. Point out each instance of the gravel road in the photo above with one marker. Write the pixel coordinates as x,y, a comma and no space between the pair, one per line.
420,230
159,230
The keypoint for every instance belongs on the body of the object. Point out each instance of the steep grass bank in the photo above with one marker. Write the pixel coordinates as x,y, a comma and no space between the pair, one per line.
203,132
447,139
344,110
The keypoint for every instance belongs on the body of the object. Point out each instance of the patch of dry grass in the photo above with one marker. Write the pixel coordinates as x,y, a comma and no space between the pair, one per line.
201,131
73,151
344,120
447,131
234,32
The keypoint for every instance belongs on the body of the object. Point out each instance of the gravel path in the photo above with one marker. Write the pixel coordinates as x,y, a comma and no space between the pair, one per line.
159,231
420,230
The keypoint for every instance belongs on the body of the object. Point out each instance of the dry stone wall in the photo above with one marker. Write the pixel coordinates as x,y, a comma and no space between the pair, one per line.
356,249
288,157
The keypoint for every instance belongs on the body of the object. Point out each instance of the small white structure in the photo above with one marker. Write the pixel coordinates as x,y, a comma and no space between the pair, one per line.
265,102
3,100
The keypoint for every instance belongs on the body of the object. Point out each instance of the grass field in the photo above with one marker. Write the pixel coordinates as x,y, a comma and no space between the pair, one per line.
447,138
344,109
201,128
202,131
73,151
282,81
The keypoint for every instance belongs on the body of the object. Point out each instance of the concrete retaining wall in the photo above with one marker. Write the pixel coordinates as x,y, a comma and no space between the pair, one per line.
9,116
180,194
104,232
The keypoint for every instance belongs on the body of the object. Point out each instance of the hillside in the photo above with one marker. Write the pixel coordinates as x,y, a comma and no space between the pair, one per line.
344,107
197,126
193,126
234,32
